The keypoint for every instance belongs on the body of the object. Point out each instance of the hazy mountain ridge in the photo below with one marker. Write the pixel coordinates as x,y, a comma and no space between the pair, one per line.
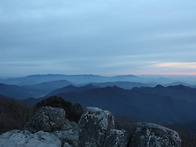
135,104
19,92
89,78
179,92
37,79
124,84
50,86
71,88
169,104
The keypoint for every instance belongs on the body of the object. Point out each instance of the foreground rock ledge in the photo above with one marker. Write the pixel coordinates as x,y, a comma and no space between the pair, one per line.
97,129
50,128
18,138
153,135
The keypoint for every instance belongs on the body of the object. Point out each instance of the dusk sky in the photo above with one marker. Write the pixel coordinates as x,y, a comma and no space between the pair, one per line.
105,37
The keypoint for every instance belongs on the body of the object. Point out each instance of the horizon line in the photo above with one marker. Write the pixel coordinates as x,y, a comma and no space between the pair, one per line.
107,74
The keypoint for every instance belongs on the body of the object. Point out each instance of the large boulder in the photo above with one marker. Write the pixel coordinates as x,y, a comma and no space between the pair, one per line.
97,130
51,119
73,112
116,138
47,119
69,134
153,135
18,138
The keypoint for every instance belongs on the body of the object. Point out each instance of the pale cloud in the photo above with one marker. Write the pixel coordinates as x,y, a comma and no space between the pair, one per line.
176,65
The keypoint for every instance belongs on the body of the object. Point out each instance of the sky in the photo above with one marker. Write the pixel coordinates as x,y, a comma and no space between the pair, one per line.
104,37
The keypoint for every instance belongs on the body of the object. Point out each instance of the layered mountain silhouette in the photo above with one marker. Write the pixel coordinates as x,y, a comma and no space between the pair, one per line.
135,104
71,88
76,79
124,84
19,92
180,92
50,86
37,79
89,78
172,104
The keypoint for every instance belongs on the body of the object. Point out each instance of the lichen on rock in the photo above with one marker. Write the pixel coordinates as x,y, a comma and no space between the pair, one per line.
97,129
153,135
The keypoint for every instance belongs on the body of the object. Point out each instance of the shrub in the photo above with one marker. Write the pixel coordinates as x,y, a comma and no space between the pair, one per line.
13,115
73,112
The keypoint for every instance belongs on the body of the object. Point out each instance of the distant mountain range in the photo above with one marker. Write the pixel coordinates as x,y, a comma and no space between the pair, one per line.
37,79
135,104
159,104
180,92
136,100
124,84
82,79
19,92
47,88
70,88
50,86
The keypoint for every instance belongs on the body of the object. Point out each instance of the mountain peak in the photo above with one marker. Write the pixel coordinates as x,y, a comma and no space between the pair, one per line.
159,86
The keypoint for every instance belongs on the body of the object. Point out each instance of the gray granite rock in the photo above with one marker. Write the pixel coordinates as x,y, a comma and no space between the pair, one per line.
116,138
50,128
47,119
97,130
67,145
69,134
51,119
153,135
18,138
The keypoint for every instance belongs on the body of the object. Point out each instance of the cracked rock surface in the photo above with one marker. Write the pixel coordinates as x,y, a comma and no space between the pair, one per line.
50,128
47,119
97,130
153,135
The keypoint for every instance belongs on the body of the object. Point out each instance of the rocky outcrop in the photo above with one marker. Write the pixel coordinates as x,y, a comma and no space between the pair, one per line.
116,138
68,134
73,112
47,119
153,135
97,130
50,119
18,138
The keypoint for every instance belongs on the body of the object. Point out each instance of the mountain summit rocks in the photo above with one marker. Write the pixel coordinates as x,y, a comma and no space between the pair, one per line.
96,128
153,135
48,119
